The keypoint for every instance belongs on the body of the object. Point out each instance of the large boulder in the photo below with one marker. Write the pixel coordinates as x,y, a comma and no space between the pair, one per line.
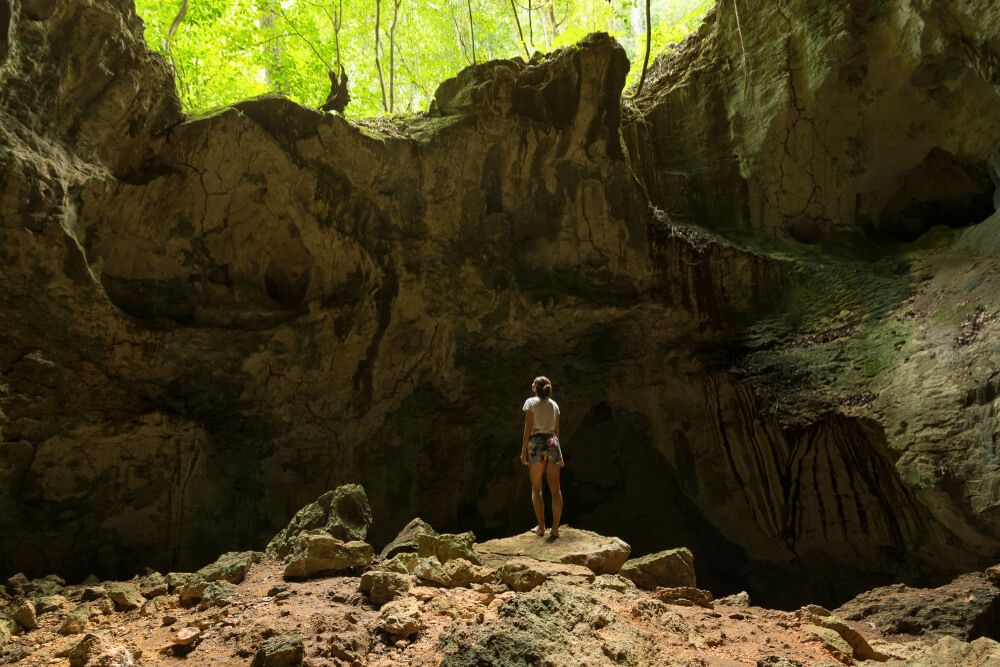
318,553
966,608
343,513
553,625
669,569
602,555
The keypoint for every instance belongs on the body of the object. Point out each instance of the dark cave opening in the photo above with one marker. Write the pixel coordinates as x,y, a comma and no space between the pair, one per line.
944,189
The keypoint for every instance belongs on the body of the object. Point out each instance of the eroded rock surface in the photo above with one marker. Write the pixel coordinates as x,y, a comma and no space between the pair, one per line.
600,554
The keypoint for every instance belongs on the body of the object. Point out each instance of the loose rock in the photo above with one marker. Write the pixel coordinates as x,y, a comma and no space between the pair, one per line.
382,587
400,618
316,552
670,569
343,513
446,547
284,651
125,596
407,541
403,562
75,622
24,615
685,596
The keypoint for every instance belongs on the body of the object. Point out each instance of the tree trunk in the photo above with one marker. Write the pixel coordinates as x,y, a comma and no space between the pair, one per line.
472,31
392,54
520,32
378,61
273,70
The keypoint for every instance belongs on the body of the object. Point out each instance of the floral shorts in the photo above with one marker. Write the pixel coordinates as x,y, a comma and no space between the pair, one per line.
544,448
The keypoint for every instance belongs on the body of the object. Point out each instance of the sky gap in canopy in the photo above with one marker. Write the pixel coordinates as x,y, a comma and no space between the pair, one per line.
227,50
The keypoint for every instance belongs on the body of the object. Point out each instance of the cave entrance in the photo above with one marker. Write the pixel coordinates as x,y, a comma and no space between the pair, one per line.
944,189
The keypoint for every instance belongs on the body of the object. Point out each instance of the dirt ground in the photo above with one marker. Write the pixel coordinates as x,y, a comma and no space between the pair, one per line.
338,626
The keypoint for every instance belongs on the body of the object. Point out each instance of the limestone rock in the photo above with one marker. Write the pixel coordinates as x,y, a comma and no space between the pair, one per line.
160,604
230,567
24,615
858,647
343,513
283,651
406,540
616,583
447,547
685,596
177,580
4,634
403,563
126,596
952,652
965,608
382,587
93,592
187,636
400,618
603,555
49,585
741,599
19,584
50,603
218,594
430,571
549,623
153,585
316,552
671,568
462,573
75,622
524,574
86,652
836,645
993,574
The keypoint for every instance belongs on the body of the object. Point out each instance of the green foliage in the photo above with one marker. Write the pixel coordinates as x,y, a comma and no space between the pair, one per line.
228,50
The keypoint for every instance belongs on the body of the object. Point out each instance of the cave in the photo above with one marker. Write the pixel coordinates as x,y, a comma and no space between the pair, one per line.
214,318
942,190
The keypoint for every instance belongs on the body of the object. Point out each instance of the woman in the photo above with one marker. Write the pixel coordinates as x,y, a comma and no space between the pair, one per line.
540,451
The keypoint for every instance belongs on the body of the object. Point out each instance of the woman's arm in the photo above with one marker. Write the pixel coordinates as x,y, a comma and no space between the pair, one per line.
557,424
529,421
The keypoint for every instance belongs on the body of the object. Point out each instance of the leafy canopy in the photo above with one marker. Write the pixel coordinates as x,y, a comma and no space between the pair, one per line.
227,50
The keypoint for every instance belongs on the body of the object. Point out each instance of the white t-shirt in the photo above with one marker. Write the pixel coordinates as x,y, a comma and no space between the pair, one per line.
545,411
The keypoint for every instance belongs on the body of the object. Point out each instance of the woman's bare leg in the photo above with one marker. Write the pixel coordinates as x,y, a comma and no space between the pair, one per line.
552,476
535,471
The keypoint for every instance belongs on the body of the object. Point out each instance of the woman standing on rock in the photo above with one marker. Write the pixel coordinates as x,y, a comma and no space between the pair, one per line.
540,451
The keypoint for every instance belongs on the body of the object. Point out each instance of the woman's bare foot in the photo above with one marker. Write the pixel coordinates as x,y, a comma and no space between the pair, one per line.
554,532
538,530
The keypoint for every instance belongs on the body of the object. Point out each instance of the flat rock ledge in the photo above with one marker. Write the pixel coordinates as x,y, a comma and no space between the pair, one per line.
602,555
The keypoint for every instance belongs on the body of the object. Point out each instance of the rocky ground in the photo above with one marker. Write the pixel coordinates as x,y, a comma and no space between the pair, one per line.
320,597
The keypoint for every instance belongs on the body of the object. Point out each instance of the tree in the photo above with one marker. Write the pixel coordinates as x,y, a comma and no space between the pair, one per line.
227,50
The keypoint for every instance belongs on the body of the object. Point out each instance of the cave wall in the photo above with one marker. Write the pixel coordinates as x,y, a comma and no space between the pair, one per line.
212,319
863,117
